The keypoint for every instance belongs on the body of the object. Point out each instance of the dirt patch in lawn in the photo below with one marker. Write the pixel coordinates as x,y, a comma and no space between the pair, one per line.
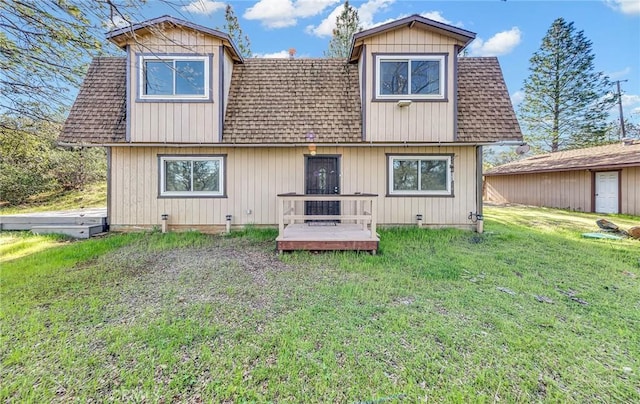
228,273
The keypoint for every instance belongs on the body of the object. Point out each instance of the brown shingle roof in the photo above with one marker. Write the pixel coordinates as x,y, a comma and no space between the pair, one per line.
610,156
485,112
281,100
99,113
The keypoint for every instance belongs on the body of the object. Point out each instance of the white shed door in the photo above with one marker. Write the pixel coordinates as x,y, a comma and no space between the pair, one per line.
607,192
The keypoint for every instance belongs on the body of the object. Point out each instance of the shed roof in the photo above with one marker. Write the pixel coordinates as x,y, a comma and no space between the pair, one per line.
281,100
609,156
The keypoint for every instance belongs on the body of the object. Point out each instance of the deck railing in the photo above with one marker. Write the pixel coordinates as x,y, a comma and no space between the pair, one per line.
354,208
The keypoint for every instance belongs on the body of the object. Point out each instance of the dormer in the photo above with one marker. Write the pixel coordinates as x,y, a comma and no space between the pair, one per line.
408,78
178,79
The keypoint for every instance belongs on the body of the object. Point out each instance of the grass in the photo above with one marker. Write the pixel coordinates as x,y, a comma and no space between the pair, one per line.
93,196
437,315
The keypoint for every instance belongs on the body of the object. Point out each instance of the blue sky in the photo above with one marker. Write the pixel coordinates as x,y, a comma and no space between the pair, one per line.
511,30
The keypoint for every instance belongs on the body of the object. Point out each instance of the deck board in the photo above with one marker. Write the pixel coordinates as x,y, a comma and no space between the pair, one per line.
306,236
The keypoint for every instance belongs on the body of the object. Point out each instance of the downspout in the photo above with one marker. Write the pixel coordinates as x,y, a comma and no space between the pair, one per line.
479,214
108,150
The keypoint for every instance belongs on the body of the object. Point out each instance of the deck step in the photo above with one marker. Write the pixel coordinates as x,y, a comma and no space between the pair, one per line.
75,231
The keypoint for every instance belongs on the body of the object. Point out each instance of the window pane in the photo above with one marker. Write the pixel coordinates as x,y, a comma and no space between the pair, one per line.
433,175
177,175
158,78
190,77
405,175
425,77
206,175
394,77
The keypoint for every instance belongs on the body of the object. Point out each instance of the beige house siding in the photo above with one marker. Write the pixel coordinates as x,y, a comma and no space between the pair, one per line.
630,181
228,72
174,122
423,121
564,189
254,177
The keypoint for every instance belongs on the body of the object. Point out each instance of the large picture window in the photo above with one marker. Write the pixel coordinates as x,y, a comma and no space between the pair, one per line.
164,77
413,77
420,175
192,176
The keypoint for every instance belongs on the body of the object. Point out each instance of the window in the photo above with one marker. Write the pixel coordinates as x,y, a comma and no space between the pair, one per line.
414,77
171,77
420,175
192,176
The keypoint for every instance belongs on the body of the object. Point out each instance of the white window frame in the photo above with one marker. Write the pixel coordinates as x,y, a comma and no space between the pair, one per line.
221,176
174,58
446,192
408,58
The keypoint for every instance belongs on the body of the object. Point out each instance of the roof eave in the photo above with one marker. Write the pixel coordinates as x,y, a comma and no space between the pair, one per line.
608,167
461,34
117,35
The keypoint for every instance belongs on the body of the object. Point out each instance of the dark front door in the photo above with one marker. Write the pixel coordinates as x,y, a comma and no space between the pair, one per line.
322,177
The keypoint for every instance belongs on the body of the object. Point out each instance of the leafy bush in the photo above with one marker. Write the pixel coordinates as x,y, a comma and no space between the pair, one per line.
31,162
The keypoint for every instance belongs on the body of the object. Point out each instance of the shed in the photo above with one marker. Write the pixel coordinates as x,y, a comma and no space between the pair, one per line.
604,179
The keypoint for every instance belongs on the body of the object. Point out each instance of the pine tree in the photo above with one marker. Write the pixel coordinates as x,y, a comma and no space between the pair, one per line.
347,24
566,102
232,27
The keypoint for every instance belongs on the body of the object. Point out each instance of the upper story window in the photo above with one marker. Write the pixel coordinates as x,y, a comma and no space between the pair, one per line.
174,77
410,76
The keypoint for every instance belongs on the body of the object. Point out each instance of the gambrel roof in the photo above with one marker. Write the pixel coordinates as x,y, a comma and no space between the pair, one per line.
281,100
607,157
99,113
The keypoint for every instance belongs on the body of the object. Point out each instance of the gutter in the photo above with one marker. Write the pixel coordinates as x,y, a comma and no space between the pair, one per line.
249,145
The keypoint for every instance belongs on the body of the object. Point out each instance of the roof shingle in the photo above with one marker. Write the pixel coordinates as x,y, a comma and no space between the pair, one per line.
99,112
281,100
485,112
609,156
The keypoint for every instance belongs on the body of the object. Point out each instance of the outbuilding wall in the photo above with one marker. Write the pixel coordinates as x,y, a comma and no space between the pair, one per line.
571,190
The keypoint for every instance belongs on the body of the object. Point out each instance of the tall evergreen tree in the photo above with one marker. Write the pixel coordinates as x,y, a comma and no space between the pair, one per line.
232,27
347,24
566,103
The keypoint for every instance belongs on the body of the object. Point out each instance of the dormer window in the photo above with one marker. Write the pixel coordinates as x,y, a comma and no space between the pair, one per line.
174,77
418,77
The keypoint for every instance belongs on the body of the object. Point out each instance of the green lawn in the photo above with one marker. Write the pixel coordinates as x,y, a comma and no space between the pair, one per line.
93,196
528,311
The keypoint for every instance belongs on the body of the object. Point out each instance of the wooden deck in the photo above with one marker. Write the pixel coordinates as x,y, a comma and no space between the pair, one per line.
82,223
354,229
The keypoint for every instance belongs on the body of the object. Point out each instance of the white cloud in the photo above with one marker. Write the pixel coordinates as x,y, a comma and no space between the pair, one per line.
636,111
116,22
517,97
368,10
366,13
499,44
436,16
204,7
285,13
283,54
625,6
619,74
630,100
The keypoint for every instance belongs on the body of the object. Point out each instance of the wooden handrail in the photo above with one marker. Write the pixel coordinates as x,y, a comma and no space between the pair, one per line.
362,214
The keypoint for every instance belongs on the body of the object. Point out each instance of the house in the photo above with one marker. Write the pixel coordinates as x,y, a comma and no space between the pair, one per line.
207,138
604,179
